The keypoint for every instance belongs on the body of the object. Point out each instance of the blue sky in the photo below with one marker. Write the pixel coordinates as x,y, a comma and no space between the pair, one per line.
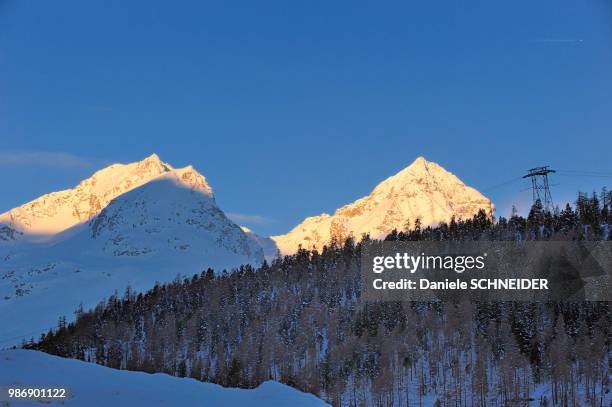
295,108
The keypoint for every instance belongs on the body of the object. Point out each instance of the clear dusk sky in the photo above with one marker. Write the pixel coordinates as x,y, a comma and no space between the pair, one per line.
292,108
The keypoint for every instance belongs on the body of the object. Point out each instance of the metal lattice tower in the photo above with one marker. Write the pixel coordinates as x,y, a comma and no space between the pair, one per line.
540,186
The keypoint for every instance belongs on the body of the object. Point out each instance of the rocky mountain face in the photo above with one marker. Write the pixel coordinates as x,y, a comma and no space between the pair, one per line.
8,234
423,190
127,225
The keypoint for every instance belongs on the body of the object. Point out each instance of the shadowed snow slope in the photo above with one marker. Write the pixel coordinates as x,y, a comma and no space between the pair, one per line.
92,385
166,226
267,244
424,190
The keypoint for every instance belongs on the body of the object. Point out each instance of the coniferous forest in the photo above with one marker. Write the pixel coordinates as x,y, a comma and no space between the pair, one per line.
300,321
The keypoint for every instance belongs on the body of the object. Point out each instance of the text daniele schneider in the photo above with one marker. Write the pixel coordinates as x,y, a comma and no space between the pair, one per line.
422,263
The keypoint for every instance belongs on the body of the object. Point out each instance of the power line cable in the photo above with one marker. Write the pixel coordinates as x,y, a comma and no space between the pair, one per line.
585,173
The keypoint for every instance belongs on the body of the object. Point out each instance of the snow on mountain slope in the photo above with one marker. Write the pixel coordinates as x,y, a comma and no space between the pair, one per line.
93,385
58,211
424,190
170,225
267,244
174,211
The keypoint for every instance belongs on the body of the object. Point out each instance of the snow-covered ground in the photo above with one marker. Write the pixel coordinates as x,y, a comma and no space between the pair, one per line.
92,385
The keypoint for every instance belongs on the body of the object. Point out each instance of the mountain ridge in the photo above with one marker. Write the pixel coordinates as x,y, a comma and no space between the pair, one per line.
423,190
54,212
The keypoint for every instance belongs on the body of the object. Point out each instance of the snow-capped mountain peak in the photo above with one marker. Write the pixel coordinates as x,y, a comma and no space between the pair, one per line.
57,211
423,190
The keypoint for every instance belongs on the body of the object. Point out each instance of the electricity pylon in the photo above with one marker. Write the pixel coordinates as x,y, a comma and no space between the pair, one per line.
540,186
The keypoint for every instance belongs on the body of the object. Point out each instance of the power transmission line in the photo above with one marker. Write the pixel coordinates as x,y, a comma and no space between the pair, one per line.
571,173
587,174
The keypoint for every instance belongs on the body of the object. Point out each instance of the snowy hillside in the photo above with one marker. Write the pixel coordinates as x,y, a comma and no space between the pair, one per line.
92,385
424,190
267,244
167,226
